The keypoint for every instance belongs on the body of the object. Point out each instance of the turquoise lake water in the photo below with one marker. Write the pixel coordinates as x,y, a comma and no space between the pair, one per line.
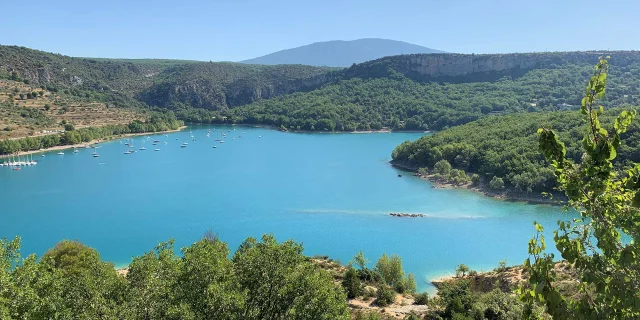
332,192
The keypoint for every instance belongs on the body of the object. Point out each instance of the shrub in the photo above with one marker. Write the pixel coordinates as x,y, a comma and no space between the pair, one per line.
369,292
385,296
390,269
360,261
459,177
370,276
496,183
502,266
475,179
369,315
351,283
407,284
69,127
422,298
462,270
443,168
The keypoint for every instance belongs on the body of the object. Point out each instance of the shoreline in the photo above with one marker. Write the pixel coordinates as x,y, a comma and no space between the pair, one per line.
268,126
82,145
506,195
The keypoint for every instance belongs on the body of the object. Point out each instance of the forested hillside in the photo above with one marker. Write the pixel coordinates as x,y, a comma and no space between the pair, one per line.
506,147
404,92
407,92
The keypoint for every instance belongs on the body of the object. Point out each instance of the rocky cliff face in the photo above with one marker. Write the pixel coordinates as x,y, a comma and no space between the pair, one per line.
469,66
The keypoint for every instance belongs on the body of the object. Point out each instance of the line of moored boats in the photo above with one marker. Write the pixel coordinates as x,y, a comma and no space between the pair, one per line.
17,161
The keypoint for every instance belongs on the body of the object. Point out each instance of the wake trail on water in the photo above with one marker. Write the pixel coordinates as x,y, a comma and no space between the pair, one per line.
424,214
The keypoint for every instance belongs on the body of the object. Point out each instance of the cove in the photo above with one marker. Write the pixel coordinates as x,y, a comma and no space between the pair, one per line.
332,192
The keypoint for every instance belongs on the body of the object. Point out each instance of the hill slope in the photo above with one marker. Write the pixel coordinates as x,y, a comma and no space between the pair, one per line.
341,53
156,82
436,91
506,147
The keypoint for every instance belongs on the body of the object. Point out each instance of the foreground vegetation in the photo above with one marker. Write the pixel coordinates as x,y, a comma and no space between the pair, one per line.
603,244
263,280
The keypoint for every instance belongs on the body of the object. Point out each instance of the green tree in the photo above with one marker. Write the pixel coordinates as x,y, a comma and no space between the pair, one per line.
422,298
442,168
351,283
496,183
75,283
390,269
360,261
608,203
385,296
475,179
153,287
462,270
407,284
282,284
206,282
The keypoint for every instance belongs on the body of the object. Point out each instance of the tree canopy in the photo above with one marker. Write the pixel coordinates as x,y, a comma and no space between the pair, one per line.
264,280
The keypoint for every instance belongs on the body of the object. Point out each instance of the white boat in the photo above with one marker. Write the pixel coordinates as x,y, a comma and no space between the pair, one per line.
60,153
143,148
221,141
156,149
75,151
259,136
215,147
95,155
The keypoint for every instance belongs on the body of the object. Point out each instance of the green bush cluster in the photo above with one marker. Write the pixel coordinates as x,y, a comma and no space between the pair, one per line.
263,280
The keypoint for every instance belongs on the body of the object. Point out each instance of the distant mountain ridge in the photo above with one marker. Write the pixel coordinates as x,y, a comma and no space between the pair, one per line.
340,53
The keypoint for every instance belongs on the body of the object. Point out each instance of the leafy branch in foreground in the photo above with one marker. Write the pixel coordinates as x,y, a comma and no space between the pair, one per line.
603,244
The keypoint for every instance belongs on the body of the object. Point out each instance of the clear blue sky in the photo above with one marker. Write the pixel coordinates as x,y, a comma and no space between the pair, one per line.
240,29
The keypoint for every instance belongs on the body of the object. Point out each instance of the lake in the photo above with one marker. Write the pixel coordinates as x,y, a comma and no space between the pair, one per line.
332,192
